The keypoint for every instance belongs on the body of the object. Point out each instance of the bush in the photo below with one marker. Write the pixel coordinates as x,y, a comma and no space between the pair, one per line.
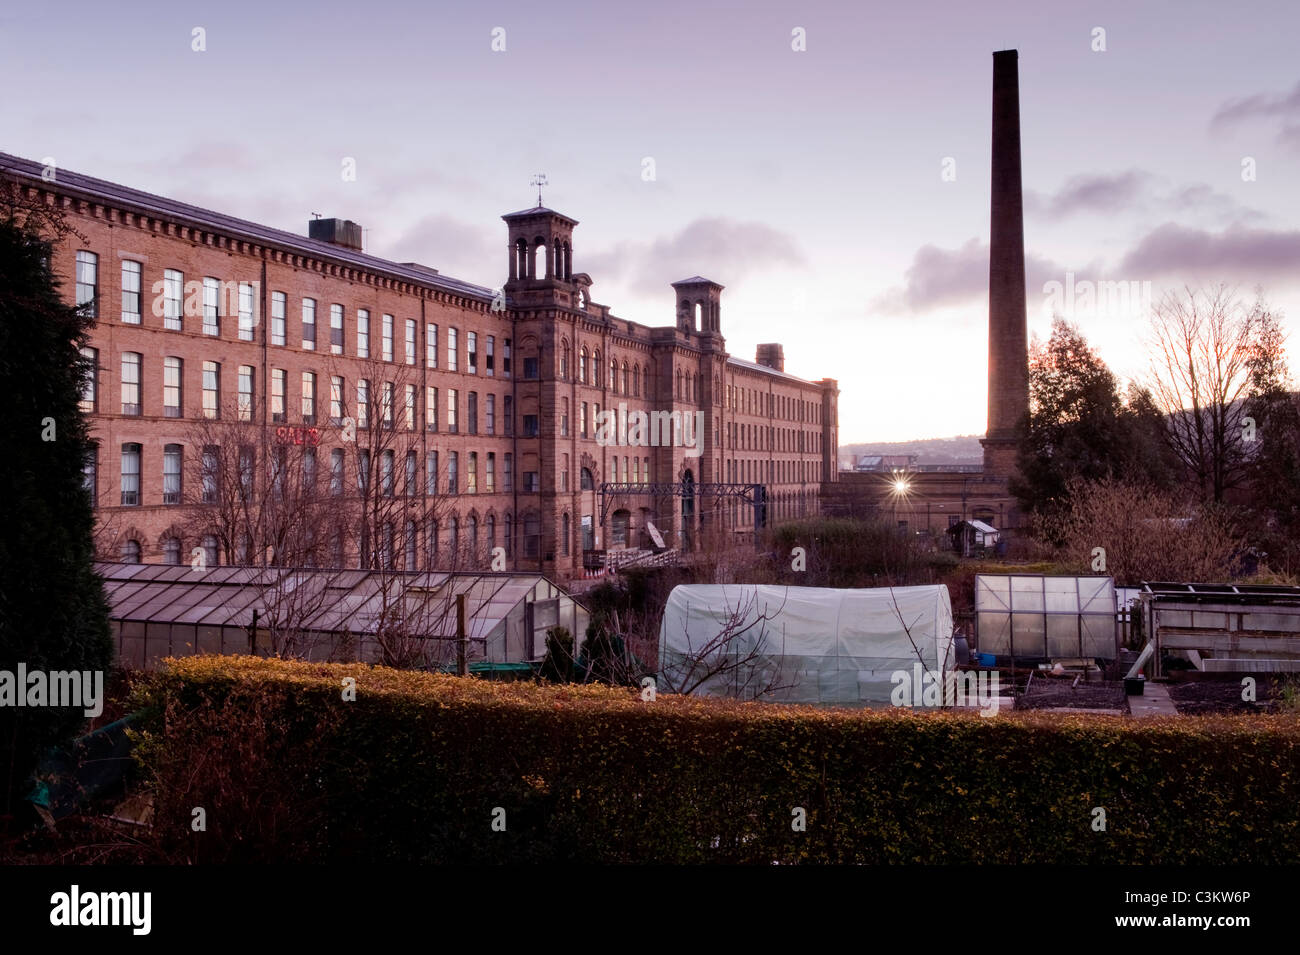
416,766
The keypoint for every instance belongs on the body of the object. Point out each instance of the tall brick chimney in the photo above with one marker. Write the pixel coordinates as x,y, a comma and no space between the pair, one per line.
1008,338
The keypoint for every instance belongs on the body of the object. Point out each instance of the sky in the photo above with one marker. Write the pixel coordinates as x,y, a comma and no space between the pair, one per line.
840,191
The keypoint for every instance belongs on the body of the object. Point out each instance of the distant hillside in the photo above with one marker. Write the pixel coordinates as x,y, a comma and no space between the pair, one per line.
962,449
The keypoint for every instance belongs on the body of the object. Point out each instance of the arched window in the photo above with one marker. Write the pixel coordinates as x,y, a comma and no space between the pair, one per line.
131,552
521,258
453,537
588,484
540,262
431,543
211,552
595,368
626,380
472,526
509,527
582,365
564,534
408,546
613,374
490,525
636,380
172,550
699,310
564,360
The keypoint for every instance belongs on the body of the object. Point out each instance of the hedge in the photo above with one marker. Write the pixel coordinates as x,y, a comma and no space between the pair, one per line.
285,769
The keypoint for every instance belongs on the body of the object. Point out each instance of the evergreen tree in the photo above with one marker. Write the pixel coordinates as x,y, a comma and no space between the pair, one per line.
1080,427
53,612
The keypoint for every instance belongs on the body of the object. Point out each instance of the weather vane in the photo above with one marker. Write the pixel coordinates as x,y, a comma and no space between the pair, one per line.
539,180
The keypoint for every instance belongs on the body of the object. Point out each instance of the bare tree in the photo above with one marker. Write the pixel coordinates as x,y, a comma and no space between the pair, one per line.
1136,533
1204,345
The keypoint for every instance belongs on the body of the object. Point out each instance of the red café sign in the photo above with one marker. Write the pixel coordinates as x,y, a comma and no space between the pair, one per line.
307,436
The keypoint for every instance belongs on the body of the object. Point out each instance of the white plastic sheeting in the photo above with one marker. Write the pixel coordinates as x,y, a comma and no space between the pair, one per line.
802,644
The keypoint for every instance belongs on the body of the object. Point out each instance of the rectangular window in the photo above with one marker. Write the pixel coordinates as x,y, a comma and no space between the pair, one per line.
431,408
507,473
453,465
244,396
336,400
279,307
88,283
211,306
172,374
531,482
209,471
363,403
471,474
131,382
90,386
336,472
489,477
309,324
582,419
451,411
279,380
409,408
452,354
172,474
130,475
173,299
363,471
530,426
431,473
336,329
564,473
564,417
386,473
489,347
387,340
363,333
471,413
490,415
308,397
387,406
505,358
247,312
508,414
412,473
530,367
410,341
431,345
471,352
131,292
211,389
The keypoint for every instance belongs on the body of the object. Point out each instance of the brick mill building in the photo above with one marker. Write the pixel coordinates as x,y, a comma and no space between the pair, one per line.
487,402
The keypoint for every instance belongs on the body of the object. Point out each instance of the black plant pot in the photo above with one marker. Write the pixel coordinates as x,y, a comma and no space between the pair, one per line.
1133,685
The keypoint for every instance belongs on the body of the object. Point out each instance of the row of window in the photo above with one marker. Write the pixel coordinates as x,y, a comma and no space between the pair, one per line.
240,464
394,551
211,299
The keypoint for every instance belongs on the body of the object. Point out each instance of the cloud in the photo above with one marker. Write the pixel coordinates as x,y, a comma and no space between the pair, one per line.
941,277
1139,192
725,250
1099,192
1234,254
1259,106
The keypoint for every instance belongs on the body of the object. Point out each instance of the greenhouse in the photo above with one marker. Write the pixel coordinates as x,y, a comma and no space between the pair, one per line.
161,610
1036,617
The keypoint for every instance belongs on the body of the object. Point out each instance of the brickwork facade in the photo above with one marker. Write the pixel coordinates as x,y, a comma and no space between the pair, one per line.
204,318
